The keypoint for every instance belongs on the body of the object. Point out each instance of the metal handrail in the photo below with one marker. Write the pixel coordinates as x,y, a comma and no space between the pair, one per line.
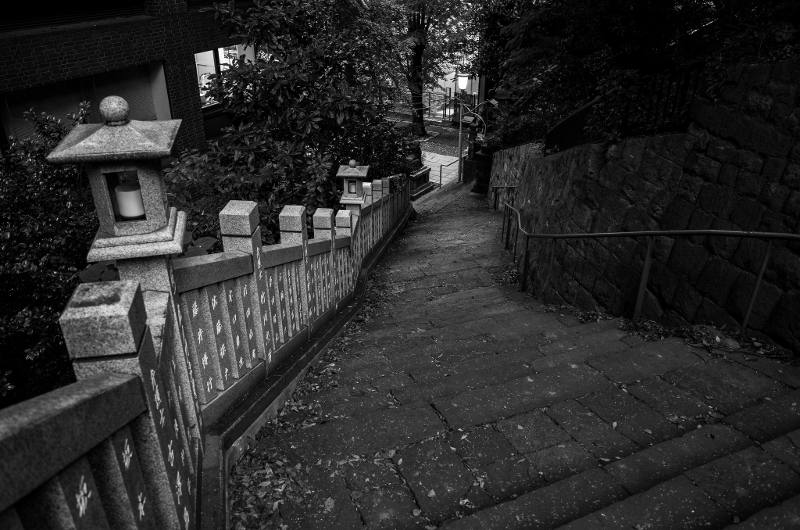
445,165
496,196
650,235
640,233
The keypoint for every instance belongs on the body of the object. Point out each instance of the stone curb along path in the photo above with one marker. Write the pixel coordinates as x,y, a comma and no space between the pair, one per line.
452,400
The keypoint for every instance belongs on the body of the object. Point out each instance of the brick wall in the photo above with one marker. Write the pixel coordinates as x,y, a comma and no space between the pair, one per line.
42,56
738,167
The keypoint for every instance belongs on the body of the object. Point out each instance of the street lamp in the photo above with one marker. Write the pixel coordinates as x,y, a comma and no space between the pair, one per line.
462,85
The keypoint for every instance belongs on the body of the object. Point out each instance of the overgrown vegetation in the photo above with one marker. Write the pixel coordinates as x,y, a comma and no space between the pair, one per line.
46,225
313,98
547,59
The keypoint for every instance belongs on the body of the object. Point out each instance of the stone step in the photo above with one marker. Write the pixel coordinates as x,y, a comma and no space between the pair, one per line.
714,475
783,515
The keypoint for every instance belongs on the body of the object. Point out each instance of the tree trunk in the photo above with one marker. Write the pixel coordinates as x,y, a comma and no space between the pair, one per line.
415,86
418,31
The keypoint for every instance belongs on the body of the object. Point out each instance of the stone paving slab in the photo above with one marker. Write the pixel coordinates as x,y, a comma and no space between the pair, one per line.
484,405
374,431
726,386
769,418
597,436
649,359
629,416
677,406
438,478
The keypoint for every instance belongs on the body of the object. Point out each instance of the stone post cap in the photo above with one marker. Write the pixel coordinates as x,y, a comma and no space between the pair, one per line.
239,218
292,218
323,219
377,187
104,319
343,218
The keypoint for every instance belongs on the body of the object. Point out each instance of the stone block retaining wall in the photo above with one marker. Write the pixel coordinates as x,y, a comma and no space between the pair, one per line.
737,167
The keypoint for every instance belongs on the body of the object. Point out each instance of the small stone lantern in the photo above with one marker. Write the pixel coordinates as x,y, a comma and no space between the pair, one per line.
354,177
123,160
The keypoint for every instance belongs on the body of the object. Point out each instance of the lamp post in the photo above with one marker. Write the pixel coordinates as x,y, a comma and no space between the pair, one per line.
462,85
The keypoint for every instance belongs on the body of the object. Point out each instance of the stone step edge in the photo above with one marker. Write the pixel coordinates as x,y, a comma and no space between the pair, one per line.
777,515
590,520
792,423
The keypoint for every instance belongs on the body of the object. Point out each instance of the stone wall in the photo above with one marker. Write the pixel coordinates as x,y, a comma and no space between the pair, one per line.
737,167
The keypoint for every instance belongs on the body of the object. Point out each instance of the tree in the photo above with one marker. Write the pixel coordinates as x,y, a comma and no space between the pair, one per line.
438,35
552,57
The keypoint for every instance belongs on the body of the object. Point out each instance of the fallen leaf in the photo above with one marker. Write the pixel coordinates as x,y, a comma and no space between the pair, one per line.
329,504
431,494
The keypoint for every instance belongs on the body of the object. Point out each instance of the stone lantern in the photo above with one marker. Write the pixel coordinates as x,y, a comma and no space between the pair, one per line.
354,177
123,160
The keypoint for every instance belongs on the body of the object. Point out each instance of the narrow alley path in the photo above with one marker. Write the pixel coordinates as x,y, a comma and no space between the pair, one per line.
454,400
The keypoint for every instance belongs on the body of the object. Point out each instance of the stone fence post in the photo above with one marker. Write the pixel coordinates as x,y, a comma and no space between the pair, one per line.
324,228
292,222
105,327
241,231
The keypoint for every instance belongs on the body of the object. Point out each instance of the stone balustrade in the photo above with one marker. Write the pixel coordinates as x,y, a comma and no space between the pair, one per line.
176,375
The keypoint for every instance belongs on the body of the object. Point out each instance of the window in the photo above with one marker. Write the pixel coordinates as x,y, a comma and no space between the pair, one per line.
213,62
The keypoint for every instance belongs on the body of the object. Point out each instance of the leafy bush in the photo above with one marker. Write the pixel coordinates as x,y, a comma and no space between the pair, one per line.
47,222
310,100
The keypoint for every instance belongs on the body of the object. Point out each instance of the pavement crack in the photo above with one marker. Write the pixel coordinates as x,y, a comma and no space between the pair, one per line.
441,417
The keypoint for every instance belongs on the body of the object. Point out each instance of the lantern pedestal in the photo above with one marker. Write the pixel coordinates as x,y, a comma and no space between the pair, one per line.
165,241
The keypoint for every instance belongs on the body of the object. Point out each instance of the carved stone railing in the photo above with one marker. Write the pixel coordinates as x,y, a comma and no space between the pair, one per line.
180,363
112,450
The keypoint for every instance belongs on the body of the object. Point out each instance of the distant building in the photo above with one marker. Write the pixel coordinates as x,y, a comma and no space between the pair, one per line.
156,54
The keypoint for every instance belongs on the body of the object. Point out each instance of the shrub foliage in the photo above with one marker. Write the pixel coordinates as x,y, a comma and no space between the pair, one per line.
46,225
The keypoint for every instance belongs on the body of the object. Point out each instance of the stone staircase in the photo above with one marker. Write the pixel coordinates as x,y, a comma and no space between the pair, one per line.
455,401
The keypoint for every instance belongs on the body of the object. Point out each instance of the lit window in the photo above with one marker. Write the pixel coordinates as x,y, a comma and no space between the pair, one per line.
212,62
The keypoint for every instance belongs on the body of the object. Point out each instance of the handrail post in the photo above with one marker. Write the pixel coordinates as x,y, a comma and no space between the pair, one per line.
648,261
550,264
508,226
516,237
524,282
755,290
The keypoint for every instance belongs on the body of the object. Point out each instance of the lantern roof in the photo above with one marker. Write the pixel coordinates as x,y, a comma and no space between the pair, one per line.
119,138
353,170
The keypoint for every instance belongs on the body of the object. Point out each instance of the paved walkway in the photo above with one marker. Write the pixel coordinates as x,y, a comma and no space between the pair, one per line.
453,400
448,164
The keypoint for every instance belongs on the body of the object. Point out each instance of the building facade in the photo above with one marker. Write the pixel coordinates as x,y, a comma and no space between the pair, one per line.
157,54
